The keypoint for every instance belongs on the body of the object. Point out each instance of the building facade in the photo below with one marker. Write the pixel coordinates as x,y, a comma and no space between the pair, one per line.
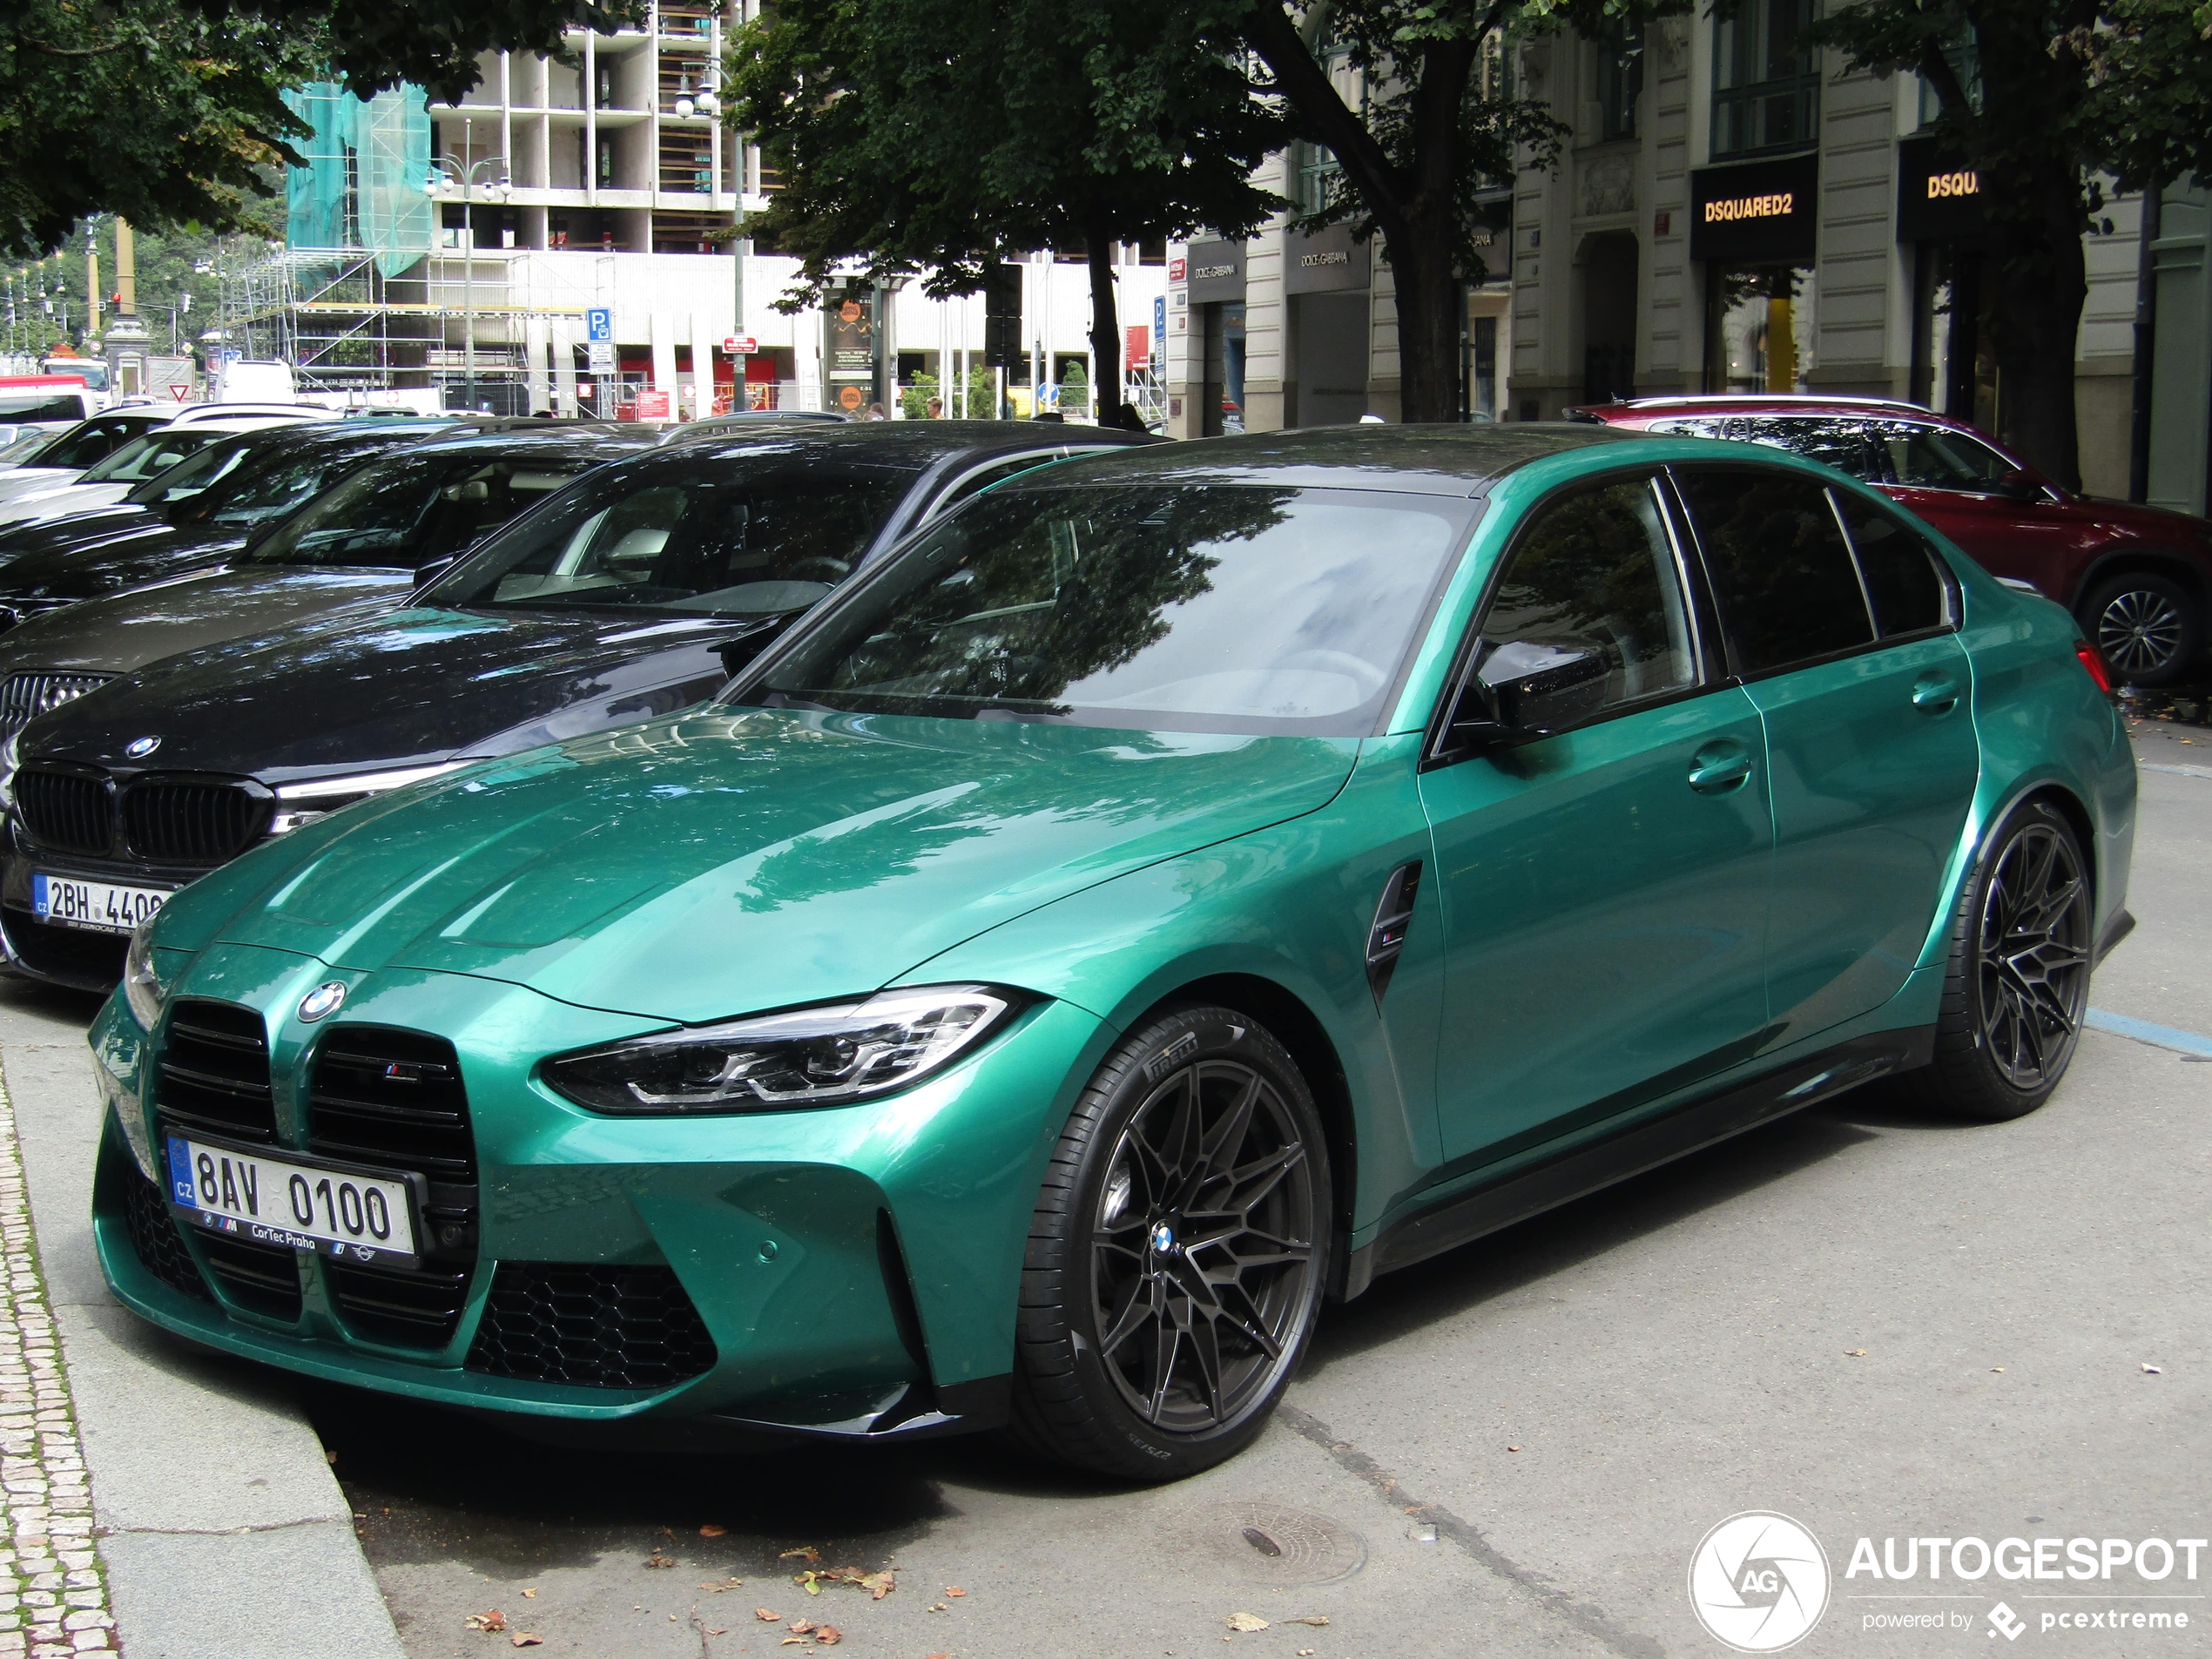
1732,213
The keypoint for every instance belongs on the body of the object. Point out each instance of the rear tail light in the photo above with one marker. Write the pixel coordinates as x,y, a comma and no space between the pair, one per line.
2093,663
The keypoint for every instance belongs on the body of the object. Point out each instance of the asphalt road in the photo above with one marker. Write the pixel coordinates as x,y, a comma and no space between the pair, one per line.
1875,1324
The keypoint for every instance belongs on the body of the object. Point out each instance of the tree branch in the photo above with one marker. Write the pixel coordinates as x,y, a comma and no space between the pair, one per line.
1301,80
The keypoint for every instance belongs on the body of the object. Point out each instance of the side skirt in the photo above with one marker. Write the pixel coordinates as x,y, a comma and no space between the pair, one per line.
1467,1216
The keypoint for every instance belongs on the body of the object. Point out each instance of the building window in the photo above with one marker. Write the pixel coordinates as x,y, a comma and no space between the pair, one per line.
1619,53
1964,55
1766,76
1318,167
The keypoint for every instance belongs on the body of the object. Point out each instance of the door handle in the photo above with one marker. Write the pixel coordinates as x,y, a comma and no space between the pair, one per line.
1720,768
1935,694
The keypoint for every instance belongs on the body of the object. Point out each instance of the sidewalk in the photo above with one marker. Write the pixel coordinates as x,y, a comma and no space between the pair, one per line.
219,1531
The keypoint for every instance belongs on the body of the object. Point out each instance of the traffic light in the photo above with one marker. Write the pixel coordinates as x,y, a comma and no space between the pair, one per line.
1001,315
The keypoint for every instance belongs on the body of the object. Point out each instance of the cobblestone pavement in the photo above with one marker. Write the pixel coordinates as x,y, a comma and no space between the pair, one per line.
53,1599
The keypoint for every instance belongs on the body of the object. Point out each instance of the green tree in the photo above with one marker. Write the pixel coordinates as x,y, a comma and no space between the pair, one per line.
2049,103
168,112
939,136
1432,117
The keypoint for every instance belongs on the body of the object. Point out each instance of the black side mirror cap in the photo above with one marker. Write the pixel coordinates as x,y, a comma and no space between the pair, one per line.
1539,690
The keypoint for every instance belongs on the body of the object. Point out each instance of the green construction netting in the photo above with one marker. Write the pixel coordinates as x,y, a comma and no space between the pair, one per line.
362,185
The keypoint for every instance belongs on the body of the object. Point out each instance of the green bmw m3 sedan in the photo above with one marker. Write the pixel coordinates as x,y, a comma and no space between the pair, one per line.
1158,898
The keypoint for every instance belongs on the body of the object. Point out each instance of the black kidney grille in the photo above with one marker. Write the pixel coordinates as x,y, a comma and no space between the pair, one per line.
393,1100
215,1075
64,810
265,1277
174,822
25,696
598,1328
154,1236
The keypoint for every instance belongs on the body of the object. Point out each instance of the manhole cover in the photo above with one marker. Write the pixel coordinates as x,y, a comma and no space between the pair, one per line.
1258,1543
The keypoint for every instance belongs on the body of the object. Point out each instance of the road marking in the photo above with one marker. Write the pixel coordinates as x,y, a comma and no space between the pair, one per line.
2159,1036
2179,771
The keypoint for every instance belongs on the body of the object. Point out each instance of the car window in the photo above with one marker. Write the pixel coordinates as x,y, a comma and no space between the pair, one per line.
1904,582
148,457
195,474
272,492
1690,425
1842,441
1229,609
406,511
983,477
43,406
1780,570
763,538
1931,457
88,442
1593,574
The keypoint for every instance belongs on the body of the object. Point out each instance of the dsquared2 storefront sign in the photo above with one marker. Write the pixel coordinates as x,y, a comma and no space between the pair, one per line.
1756,213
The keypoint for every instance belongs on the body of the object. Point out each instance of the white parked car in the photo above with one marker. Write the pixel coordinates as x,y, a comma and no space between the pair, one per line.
108,480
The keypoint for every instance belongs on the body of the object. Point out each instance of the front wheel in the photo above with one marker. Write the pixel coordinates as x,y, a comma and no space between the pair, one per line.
1175,1259
2018,980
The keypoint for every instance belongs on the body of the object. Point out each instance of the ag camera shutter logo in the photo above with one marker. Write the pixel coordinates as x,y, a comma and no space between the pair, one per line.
1759,1582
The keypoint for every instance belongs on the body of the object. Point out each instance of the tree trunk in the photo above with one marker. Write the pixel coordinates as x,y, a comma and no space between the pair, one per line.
1105,324
2038,283
1427,297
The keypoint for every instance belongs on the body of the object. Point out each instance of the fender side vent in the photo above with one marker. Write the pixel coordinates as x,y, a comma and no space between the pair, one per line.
1393,915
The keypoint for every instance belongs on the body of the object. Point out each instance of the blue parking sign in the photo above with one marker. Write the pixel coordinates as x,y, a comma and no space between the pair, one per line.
599,323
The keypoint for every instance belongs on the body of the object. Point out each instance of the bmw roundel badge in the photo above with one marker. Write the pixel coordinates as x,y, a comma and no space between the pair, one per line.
322,1002
139,748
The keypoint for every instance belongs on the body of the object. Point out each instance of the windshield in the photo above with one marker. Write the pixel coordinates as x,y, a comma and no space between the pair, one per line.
1225,609
407,509
194,473
18,443
148,457
736,536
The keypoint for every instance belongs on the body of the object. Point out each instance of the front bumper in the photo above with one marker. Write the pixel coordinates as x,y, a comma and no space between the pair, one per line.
83,959
856,1269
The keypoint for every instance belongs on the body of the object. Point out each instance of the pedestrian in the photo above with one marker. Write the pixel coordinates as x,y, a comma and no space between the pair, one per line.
876,413
936,409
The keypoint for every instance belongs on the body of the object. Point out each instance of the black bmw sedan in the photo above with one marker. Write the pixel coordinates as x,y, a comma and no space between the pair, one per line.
637,590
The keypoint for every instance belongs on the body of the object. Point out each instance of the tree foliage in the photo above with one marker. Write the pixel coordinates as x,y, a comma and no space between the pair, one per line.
168,112
935,136
2048,101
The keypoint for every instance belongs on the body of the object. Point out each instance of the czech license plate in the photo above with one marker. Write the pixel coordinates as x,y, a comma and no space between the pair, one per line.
99,906
275,1200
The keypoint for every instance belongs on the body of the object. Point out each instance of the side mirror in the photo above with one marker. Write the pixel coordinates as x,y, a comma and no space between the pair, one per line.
2018,486
1541,689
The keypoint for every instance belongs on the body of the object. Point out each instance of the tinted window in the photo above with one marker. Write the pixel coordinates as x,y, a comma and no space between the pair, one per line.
41,406
1908,592
1225,609
274,491
1932,457
1846,444
88,442
732,537
1784,575
408,510
1593,574
983,477
148,457
182,482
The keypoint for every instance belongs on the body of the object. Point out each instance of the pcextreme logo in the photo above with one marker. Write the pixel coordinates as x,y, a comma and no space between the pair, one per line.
1758,1581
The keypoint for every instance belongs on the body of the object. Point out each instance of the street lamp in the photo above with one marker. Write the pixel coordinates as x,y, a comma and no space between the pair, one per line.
448,172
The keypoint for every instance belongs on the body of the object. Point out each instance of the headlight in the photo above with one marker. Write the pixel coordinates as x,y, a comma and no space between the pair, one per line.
818,1056
10,758
142,986
298,804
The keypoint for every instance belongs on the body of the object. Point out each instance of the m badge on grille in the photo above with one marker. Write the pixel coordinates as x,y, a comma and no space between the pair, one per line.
139,748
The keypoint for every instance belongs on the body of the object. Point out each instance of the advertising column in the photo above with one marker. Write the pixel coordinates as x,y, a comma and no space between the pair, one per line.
851,354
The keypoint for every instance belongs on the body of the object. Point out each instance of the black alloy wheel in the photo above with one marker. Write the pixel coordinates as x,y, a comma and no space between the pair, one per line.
2017,981
2032,957
2146,625
1175,1266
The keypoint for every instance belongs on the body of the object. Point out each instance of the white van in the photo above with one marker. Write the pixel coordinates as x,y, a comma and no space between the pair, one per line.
243,381
47,399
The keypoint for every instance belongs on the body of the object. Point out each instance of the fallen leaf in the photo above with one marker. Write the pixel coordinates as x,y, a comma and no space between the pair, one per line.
800,1627
1854,1353
530,1592
2154,1370
939,1607
494,1620
1309,1618
954,1589
829,1636
812,1581
713,1588
331,1458
1512,1448
1246,1621
804,1552
768,1615
713,1531
789,1642
525,1639
658,1560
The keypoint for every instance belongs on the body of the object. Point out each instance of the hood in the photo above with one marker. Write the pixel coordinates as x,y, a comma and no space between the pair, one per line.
127,555
405,688
41,538
19,481
124,631
61,499
721,862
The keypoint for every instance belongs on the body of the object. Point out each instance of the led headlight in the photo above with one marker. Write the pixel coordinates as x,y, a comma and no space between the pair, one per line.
142,985
817,1056
10,758
298,804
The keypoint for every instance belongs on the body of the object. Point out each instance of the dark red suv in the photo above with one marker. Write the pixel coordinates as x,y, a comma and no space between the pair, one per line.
2139,578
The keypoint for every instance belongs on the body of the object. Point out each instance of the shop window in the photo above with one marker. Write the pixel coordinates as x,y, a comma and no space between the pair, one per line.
1766,76
1954,366
1758,328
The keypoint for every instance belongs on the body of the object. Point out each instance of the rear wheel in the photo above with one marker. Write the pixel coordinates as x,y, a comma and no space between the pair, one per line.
2148,627
2018,982
1175,1258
